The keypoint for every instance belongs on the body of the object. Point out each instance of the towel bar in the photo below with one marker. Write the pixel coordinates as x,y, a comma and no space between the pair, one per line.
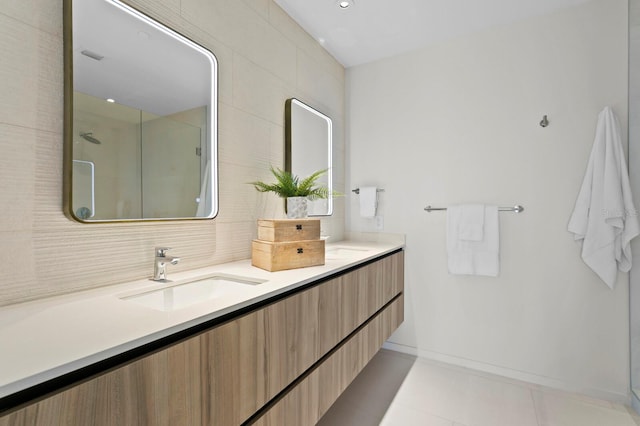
516,209
357,190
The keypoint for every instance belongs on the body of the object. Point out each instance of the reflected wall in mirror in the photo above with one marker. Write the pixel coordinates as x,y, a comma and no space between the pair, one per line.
141,118
308,148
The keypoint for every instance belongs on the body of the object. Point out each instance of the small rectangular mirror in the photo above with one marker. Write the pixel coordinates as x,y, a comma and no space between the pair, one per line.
140,118
308,148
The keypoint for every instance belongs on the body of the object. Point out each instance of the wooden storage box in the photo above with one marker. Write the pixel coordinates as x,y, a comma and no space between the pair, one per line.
280,230
274,256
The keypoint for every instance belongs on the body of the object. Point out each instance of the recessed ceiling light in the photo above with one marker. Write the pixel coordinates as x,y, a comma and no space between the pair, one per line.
344,4
111,100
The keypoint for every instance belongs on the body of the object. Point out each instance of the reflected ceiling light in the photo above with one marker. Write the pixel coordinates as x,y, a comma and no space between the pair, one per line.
345,4
92,55
111,100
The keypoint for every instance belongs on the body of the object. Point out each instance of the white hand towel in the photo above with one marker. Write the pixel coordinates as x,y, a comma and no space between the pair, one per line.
471,223
368,201
473,257
604,219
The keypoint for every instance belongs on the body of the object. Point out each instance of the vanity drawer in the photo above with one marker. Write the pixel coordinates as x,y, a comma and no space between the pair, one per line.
281,230
287,255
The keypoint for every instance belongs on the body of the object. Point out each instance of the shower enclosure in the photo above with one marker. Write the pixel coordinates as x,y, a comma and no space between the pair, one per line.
634,172
132,164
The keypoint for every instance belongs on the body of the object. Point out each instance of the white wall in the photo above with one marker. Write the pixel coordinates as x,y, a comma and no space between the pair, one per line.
264,58
458,123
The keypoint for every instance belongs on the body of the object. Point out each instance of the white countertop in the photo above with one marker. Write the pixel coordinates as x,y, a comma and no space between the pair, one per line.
47,338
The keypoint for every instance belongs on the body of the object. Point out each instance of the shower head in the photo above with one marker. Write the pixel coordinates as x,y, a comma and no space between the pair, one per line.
88,136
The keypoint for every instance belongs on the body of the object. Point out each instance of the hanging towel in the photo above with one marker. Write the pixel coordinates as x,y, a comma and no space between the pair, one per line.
471,223
203,199
604,219
368,201
471,250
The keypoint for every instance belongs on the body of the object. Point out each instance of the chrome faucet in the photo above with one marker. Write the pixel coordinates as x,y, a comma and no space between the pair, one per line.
160,264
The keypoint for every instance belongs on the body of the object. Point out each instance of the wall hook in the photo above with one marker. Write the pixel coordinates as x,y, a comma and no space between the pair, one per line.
544,122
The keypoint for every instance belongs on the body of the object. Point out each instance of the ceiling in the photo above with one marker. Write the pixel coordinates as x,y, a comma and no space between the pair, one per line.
134,69
375,29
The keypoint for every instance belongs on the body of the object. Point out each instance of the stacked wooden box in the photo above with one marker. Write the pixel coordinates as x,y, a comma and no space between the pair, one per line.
287,244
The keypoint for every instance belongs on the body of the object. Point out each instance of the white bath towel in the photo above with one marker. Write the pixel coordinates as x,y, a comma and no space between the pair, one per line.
368,201
468,254
604,219
203,199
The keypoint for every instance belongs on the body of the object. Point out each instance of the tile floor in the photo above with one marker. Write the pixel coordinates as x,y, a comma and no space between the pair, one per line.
400,390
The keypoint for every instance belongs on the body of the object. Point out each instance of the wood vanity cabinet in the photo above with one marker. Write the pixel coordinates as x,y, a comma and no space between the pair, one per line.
314,394
283,363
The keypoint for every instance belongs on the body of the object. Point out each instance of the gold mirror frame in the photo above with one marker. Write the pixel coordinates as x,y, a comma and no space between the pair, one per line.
309,148
209,175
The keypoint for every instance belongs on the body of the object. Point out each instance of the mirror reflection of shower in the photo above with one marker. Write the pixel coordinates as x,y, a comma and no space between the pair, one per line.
634,175
88,136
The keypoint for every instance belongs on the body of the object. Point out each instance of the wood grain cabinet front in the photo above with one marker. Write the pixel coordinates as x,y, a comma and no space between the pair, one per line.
227,374
161,389
314,394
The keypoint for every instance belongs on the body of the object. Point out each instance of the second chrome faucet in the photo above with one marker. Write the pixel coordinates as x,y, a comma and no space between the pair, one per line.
160,263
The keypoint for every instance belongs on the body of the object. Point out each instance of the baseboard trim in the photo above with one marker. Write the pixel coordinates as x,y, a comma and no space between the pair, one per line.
528,378
635,402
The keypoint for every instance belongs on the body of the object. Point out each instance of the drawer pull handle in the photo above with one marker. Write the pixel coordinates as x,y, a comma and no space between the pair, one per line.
300,250
299,227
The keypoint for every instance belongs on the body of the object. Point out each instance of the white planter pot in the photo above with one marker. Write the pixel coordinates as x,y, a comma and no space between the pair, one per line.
296,207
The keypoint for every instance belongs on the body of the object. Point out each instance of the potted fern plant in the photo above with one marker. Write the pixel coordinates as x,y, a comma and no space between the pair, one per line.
295,190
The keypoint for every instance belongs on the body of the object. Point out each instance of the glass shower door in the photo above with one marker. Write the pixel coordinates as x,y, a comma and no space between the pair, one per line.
634,174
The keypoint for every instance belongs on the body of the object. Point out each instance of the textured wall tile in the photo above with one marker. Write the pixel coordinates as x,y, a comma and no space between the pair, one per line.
30,76
260,6
48,253
320,85
238,199
48,177
17,162
243,138
225,73
45,15
17,268
237,25
257,91
276,151
238,236
78,256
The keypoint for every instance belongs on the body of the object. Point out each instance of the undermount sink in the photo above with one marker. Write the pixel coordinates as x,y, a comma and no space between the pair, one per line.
183,294
344,252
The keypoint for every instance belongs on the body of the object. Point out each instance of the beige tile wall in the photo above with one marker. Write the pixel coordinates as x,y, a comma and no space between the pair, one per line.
264,58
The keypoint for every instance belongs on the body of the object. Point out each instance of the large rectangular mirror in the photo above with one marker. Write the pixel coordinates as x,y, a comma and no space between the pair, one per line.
308,148
140,118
